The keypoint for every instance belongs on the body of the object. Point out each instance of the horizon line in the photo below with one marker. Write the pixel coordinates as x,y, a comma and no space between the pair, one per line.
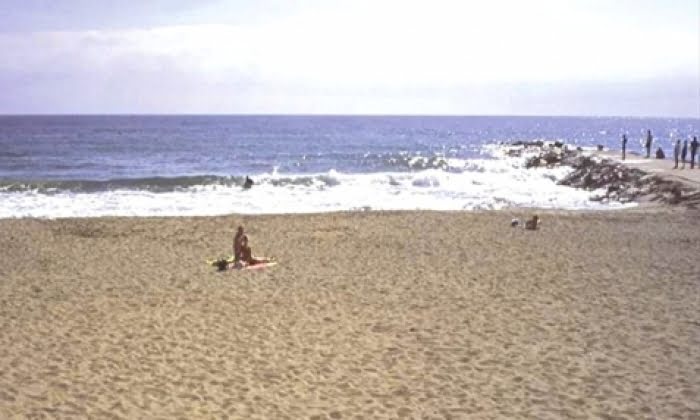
201,114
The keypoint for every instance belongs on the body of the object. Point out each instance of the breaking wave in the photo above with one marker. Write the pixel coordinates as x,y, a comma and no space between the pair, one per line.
412,182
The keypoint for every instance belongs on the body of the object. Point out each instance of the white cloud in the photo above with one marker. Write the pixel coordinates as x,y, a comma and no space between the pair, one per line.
380,46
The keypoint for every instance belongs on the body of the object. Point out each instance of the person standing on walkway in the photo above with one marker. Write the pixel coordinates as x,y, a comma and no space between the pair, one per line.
647,143
693,151
677,152
684,152
624,145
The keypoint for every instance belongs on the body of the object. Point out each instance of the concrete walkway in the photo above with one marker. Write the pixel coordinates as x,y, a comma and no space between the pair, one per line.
661,167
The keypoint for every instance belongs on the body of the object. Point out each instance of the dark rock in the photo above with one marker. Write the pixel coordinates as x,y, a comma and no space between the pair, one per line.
538,143
621,183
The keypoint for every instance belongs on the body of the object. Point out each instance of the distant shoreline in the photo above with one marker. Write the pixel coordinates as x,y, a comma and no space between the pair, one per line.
312,115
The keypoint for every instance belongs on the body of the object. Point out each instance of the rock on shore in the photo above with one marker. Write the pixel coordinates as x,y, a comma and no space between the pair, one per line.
617,181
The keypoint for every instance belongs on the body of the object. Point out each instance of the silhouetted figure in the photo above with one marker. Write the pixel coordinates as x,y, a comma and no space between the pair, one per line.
647,143
248,182
660,153
624,145
237,244
677,152
693,152
684,152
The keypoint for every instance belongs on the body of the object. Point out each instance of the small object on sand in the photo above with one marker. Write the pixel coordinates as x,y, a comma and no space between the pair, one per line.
221,264
515,222
259,265
533,224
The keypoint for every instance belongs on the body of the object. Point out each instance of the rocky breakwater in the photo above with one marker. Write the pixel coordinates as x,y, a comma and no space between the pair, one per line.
614,180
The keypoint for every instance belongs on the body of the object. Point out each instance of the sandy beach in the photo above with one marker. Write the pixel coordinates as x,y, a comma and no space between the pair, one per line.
367,315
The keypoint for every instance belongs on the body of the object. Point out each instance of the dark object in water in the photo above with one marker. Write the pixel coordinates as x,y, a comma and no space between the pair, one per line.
248,183
660,153
537,143
600,147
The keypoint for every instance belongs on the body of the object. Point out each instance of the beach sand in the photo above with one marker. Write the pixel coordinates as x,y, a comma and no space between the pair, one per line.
367,315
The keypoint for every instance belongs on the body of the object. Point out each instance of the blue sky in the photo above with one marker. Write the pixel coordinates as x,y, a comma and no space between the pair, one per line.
540,57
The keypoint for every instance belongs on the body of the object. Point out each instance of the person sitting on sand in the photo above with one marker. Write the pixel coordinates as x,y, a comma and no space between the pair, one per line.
248,182
247,254
533,223
237,244
660,153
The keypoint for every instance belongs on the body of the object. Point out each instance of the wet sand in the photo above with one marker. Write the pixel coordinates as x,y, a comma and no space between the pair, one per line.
367,315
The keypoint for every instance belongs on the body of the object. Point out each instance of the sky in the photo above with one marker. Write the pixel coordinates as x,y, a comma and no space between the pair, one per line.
437,57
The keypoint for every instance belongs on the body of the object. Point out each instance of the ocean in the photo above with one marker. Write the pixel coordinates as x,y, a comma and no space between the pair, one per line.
82,166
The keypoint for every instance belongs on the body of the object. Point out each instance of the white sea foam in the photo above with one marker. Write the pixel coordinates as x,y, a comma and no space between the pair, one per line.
462,185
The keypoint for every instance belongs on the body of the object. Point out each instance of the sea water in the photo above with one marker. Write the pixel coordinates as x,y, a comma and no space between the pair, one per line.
77,166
